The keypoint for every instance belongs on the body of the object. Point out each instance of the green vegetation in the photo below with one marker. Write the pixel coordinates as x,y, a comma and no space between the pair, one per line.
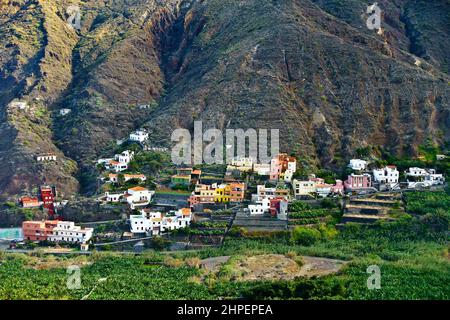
412,253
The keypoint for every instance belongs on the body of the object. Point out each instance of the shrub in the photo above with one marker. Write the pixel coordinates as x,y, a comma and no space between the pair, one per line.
305,236
193,262
172,262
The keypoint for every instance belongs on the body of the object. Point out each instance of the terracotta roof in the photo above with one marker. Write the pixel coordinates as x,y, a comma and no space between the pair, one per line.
138,189
29,199
186,211
197,172
134,175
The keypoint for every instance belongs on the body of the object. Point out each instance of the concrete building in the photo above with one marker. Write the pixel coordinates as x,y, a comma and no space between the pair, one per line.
358,182
139,135
67,231
357,164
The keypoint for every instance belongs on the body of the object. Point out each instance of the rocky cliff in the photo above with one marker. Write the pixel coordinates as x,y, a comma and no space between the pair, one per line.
310,68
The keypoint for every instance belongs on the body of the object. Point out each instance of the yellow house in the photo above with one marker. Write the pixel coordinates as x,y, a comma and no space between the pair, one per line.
222,194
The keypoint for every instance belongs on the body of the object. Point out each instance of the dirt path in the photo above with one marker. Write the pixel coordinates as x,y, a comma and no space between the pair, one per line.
274,267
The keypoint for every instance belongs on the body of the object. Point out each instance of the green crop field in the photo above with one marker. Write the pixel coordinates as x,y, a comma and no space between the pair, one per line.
411,252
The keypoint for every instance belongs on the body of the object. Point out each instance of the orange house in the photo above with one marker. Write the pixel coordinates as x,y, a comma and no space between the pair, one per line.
38,230
28,202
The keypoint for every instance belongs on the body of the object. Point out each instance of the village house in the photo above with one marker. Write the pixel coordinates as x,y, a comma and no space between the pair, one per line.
338,188
357,164
303,188
423,177
441,157
218,193
202,193
282,167
186,177
114,197
67,231
260,207
139,135
263,192
120,162
418,172
155,223
46,157
241,164
138,196
30,202
114,177
48,195
358,182
317,186
64,112
38,230
388,175
277,207
262,169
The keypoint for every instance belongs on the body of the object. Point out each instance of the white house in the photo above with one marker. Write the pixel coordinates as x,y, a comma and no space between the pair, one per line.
46,157
139,135
357,164
114,197
120,162
291,168
146,222
138,196
104,161
260,207
302,188
114,177
388,175
176,220
64,111
418,172
262,169
124,157
155,223
67,231
424,177
262,193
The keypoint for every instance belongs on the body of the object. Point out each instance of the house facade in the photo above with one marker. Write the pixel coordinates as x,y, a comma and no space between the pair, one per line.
139,135
358,182
155,223
138,196
38,230
388,175
67,231
357,164
30,202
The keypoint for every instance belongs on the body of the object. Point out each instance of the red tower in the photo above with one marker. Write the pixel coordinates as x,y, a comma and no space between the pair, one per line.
48,198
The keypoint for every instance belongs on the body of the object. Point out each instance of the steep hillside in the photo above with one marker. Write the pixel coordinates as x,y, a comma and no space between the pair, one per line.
308,67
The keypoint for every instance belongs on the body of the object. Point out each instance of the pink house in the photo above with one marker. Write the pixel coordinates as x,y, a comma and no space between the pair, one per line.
358,181
338,188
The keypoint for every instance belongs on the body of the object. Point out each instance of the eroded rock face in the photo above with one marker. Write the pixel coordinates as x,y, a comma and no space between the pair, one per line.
310,68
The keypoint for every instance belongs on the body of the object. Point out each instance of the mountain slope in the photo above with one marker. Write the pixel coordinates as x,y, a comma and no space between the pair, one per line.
310,68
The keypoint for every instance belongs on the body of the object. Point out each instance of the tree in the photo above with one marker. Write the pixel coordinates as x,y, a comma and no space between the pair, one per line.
120,179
